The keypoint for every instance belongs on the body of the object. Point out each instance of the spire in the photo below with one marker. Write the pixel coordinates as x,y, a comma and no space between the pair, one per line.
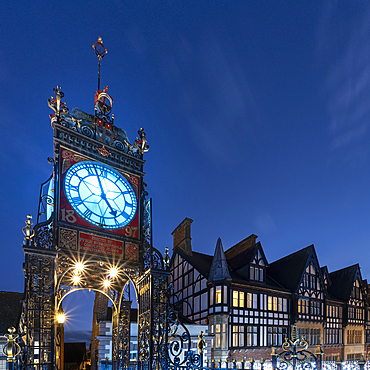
219,271
100,52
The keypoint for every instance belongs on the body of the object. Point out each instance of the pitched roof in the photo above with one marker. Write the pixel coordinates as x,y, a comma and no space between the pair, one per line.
202,262
342,282
288,270
243,258
10,307
219,270
241,246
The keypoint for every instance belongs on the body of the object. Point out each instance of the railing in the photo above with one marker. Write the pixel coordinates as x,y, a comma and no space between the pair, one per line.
267,365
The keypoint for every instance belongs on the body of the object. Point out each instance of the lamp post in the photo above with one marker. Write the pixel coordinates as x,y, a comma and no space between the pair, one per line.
60,339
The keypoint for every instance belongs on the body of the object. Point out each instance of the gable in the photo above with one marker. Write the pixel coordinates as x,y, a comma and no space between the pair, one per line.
342,282
312,283
288,271
250,263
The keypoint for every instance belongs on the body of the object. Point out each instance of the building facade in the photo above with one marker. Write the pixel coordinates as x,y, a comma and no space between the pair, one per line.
250,304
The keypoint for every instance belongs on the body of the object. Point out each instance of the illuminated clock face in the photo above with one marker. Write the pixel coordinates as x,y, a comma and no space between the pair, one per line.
100,195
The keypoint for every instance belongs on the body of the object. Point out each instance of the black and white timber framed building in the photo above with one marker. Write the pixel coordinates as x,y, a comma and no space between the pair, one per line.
250,304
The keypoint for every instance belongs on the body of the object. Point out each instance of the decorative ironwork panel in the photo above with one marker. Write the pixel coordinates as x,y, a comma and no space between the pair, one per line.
144,319
46,202
44,235
39,311
160,306
123,335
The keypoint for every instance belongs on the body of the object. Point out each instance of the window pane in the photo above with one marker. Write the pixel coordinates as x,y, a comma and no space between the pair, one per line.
218,294
235,298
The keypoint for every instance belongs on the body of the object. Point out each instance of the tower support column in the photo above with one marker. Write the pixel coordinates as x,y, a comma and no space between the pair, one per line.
152,320
39,308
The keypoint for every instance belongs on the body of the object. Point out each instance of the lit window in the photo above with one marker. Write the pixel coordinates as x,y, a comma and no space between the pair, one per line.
249,300
218,294
241,299
238,336
235,298
269,303
218,335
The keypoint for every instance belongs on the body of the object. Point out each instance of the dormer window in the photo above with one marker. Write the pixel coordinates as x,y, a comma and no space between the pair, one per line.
326,280
257,268
310,279
356,291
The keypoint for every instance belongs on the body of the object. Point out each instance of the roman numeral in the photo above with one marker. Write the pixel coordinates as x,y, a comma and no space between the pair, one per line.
87,213
73,188
77,201
103,172
90,170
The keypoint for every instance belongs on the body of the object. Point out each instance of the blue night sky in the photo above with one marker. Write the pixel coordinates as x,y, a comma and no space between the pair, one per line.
257,114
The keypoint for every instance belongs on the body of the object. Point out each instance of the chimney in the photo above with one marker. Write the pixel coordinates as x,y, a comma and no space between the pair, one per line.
181,236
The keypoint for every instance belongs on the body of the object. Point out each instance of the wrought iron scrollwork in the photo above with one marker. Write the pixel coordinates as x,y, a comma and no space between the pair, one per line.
179,343
296,354
46,202
157,259
87,130
99,126
118,144
44,235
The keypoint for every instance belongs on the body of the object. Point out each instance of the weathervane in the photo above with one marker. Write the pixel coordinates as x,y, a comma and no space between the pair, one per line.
100,51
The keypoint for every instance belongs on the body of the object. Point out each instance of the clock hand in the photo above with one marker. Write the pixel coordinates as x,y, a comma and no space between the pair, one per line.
113,212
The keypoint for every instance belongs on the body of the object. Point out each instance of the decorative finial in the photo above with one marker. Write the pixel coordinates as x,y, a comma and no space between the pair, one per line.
100,52
294,334
60,108
201,345
28,230
11,349
166,258
142,143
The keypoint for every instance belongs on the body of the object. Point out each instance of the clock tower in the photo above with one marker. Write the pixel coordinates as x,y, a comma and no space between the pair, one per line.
93,232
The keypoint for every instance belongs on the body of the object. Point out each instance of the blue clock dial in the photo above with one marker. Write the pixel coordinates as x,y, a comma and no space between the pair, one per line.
100,195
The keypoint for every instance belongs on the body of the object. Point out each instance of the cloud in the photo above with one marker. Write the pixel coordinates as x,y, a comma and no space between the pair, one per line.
264,223
215,99
347,84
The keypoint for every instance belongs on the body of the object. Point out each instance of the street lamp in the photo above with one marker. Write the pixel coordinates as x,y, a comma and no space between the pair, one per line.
106,283
61,318
60,339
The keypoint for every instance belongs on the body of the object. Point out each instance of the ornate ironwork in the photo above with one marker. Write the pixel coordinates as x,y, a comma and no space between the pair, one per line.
147,231
44,235
11,349
141,144
122,347
295,353
99,126
28,231
157,259
114,139
46,201
38,309
166,258
60,108
51,275
100,52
